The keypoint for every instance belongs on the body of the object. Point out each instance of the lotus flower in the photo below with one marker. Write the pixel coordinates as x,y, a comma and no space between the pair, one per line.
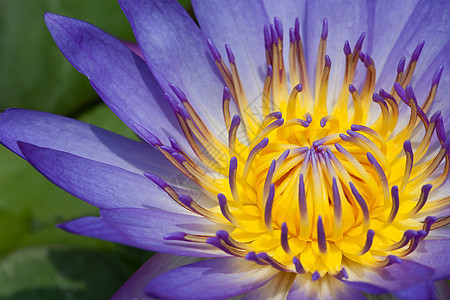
274,163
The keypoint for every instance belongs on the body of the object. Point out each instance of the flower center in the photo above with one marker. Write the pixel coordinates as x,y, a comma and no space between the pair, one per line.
311,185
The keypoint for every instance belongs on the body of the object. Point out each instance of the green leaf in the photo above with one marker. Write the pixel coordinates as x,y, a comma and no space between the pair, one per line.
33,73
61,273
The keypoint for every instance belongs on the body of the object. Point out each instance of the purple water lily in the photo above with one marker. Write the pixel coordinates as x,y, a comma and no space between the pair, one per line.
283,166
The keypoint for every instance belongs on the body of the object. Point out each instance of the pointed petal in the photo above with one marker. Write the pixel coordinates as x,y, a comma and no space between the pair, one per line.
177,52
434,254
63,134
421,291
211,279
384,280
97,183
240,26
346,21
119,76
419,26
145,229
156,265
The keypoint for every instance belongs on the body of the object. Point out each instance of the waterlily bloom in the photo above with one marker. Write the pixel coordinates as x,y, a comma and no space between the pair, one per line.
275,160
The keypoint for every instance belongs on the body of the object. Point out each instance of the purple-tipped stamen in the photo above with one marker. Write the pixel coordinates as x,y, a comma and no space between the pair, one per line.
315,276
172,102
362,203
401,93
297,29
284,238
395,204
268,208
327,61
175,236
417,51
347,49
292,36
401,65
179,158
175,145
252,256
407,236
223,203
337,206
298,265
321,237
168,149
437,76
278,27
178,92
392,259
230,54
428,223
268,180
324,33
214,52
216,242
342,274
440,130
274,35
359,43
368,243
157,180
308,117
303,206
422,199
275,264
147,135
226,94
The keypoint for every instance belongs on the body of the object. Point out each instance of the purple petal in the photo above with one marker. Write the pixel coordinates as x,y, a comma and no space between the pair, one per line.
177,52
346,22
240,26
145,228
81,139
389,21
419,26
97,183
434,254
212,279
119,76
156,265
391,278
421,291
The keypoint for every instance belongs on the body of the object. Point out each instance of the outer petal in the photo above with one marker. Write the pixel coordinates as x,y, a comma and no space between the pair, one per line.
389,21
97,183
119,76
81,139
241,26
428,21
422,291
212,279
176,51
159,263
434,254
145,228
384,280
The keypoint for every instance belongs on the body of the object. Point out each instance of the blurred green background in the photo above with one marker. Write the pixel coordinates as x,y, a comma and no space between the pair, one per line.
37,260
